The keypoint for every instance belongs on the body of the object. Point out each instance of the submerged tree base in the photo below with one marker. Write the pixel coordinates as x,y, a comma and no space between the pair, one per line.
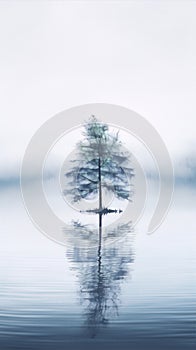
103,211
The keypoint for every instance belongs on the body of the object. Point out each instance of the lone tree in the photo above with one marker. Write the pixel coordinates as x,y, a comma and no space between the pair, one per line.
102,164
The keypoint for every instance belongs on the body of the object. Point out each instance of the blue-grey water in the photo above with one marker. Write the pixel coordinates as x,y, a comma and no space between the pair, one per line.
139,293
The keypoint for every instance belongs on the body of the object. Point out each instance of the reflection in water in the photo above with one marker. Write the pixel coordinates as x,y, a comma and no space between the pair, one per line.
101,270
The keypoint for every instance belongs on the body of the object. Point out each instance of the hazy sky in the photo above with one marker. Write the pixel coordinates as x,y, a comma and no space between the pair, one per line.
58,54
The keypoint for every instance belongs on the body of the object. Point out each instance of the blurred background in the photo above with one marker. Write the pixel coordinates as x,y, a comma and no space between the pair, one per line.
139,293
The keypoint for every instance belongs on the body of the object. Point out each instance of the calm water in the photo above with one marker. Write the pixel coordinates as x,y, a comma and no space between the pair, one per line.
139,293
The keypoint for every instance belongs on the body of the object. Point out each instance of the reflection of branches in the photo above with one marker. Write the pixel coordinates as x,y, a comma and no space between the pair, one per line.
79,235
101,271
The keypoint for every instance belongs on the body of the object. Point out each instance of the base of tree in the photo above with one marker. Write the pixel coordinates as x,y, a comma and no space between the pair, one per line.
103,211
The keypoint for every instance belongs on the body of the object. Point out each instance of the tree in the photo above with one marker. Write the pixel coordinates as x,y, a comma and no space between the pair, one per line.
102,163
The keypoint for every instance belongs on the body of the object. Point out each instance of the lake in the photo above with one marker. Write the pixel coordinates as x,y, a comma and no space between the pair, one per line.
137,293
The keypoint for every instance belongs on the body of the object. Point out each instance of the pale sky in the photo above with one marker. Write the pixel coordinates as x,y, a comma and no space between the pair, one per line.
59,54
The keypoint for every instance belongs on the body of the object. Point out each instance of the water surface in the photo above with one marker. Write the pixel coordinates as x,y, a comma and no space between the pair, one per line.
138,293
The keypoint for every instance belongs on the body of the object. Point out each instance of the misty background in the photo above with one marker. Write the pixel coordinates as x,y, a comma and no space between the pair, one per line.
138,54
55,55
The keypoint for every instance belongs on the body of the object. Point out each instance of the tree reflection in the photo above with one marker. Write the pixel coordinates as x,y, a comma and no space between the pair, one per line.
101,269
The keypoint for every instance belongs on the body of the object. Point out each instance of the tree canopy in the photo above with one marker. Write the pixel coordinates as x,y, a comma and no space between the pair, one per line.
102,164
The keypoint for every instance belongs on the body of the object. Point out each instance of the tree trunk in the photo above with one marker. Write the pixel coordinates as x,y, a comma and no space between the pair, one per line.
100,195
